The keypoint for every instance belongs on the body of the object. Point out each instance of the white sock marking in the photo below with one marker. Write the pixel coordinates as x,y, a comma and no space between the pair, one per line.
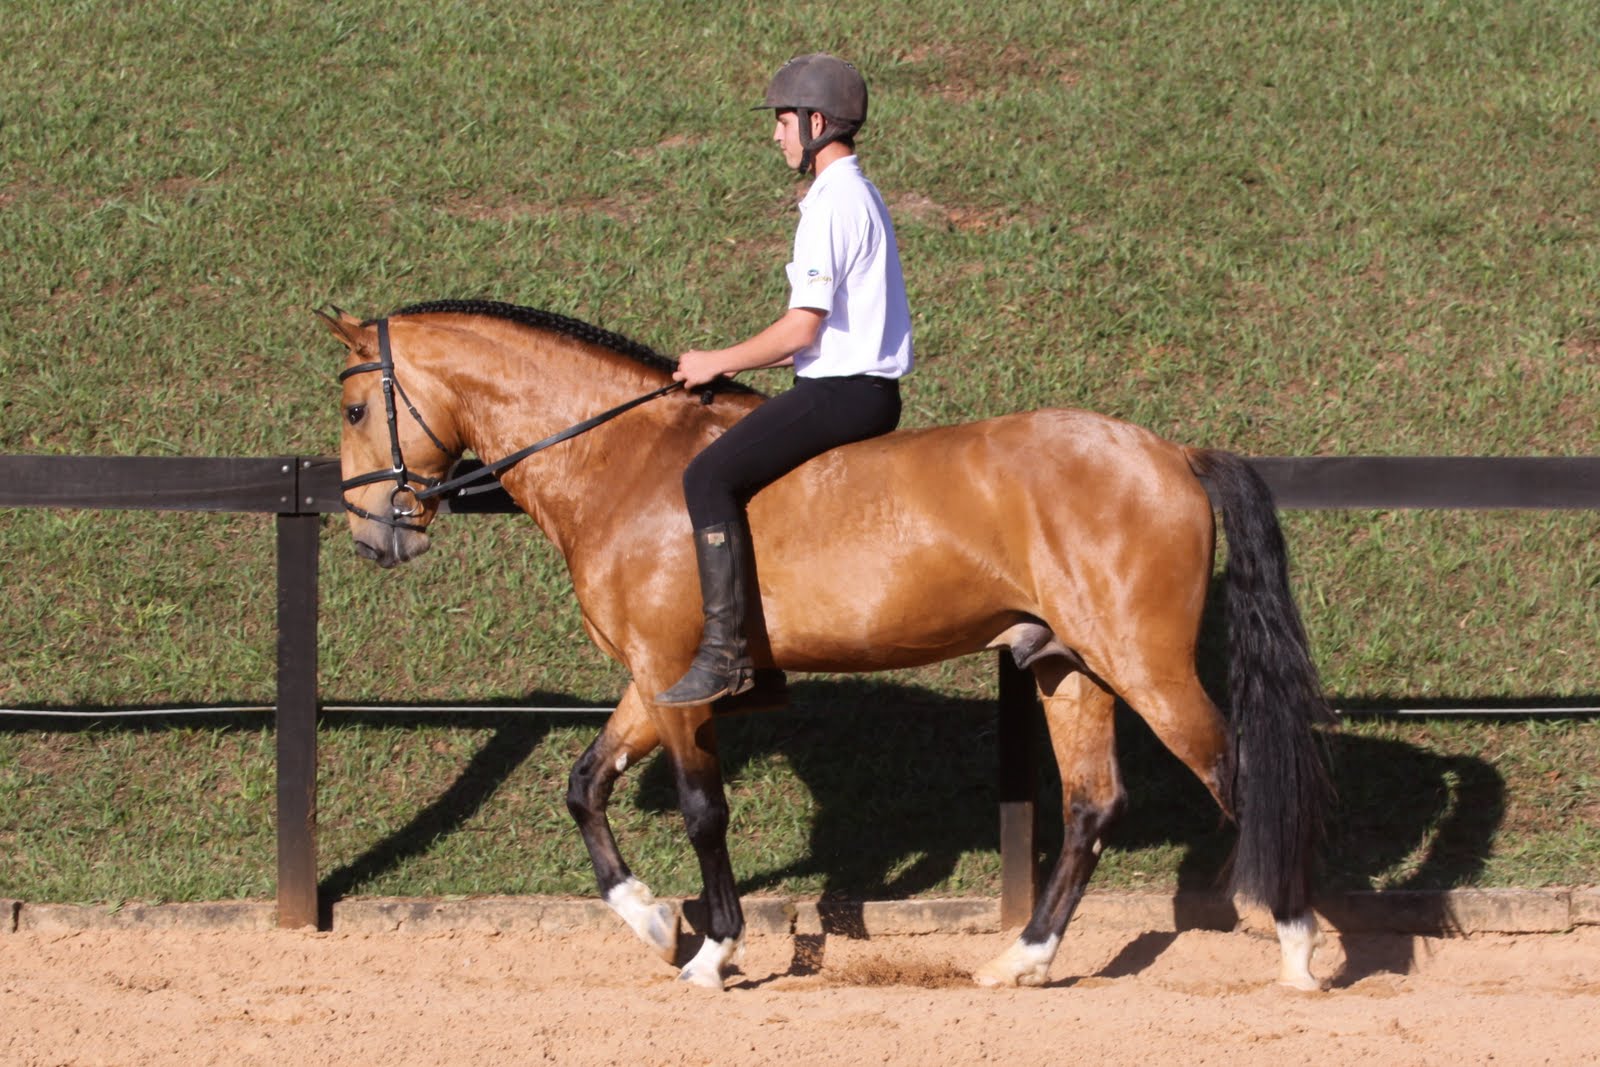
706,969
1021,964
650,919
1297,940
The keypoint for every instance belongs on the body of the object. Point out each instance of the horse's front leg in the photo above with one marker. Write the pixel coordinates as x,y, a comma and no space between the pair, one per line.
690,739
629,735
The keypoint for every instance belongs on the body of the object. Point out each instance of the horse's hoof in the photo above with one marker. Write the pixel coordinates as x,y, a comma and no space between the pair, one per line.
704,977
706,969
1305,983
996,977
655,923
992,978
661,932
1022,964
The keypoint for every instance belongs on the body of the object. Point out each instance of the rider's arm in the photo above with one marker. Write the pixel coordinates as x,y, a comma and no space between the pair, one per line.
775,346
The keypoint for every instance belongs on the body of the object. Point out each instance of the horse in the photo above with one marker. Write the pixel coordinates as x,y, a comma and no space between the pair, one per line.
1081,543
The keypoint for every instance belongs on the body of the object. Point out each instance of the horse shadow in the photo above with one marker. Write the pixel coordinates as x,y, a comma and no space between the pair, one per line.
903,783
1403,818
515,738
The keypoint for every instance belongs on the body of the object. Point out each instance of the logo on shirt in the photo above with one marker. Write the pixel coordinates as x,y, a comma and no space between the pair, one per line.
816,277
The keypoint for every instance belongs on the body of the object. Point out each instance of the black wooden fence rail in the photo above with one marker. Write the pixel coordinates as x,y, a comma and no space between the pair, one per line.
299,490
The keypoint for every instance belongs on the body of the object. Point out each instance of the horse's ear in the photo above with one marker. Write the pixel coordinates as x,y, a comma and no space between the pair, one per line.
343,325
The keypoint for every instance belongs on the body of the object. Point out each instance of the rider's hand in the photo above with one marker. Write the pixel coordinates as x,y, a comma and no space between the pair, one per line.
696,368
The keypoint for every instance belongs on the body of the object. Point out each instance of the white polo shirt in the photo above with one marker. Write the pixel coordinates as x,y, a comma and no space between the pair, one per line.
846,263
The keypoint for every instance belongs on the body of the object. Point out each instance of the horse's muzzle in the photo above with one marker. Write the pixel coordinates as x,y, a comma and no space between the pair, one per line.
401,546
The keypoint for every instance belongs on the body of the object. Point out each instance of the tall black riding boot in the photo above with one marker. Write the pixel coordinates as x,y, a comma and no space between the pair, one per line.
722,666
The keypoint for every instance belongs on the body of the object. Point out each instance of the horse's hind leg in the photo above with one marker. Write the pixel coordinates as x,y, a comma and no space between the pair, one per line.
1080,715
1183,717
629,735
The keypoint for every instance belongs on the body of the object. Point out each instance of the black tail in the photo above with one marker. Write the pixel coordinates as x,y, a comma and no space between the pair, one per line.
1281,788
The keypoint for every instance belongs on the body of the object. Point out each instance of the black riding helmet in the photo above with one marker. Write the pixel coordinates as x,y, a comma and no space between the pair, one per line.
823,84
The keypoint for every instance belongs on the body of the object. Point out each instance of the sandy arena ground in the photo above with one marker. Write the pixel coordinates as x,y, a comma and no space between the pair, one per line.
180,997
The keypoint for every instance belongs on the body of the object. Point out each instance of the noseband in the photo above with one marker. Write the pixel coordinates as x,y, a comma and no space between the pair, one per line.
405,480
398,473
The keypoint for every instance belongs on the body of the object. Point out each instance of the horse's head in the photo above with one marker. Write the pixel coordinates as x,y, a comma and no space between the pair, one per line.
393,445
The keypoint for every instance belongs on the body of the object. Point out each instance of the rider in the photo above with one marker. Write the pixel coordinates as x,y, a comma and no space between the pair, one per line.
847,333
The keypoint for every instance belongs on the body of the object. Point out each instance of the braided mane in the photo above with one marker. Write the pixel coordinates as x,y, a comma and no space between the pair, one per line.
569,327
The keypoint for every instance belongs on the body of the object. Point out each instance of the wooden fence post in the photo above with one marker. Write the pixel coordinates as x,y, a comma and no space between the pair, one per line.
1018,788
297,720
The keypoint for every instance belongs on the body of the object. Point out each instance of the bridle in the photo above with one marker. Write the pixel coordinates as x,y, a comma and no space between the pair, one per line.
406,480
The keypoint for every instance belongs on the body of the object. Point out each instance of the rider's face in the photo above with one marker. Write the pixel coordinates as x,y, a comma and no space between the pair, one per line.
786,135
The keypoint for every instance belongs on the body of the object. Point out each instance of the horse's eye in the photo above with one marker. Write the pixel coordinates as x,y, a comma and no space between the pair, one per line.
355,413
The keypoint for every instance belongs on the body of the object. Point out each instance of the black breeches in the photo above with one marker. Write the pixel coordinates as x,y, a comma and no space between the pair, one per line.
775,438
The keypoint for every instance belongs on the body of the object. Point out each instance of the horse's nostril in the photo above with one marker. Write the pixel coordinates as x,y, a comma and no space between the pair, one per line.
366,551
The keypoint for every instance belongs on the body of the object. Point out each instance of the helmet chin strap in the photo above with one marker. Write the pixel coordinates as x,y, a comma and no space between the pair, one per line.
809,146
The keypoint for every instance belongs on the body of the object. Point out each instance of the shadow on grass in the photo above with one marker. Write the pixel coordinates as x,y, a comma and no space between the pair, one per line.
515,738
903,785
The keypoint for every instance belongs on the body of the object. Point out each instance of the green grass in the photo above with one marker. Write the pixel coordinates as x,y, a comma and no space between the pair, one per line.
861,790
1333,228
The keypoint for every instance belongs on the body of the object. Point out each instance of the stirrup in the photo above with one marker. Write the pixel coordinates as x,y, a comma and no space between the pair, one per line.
768,692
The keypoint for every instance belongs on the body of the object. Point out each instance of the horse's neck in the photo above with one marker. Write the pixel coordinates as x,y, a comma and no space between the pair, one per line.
585,486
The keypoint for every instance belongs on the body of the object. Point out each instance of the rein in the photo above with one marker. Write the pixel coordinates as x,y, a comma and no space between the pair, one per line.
404,478
492,469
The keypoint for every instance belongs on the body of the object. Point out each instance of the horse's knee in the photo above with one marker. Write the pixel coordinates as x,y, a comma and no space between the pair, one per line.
589,785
